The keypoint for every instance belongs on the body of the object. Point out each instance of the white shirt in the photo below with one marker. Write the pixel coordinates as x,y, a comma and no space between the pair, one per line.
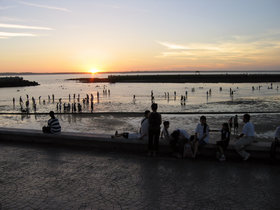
144,131
277,132
134,136
199,130
248,129
184,134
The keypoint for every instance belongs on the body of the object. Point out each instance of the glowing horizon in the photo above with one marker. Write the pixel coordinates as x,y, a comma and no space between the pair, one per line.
70,36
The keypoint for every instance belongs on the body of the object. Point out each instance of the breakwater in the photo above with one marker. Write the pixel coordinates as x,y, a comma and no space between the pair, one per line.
16,82
178,78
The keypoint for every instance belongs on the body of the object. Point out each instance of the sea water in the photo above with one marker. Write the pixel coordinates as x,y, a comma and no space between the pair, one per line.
264,98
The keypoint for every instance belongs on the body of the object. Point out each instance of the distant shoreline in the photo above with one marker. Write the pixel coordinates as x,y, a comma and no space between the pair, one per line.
179,78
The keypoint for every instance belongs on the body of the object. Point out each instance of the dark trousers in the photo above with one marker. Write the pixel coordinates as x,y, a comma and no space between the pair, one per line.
154,139
46,129
273,148
177,145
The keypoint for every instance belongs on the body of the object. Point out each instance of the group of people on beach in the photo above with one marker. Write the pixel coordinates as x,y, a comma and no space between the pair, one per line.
75,103
181,142
185,145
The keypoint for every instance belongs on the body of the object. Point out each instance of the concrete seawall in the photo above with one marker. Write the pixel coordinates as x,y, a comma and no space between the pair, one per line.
102,141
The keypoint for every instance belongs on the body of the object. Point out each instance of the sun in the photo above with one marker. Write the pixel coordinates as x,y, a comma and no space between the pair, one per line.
94,70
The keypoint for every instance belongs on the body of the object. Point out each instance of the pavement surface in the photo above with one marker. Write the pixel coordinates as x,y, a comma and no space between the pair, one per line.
51,177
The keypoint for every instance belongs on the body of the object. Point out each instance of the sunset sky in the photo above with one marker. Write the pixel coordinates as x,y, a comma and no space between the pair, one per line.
132,35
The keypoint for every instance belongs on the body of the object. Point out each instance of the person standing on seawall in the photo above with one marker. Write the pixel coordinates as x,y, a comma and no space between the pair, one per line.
245,138
235,124
154,130
275,143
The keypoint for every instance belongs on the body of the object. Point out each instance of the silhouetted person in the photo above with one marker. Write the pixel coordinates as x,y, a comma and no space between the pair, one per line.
153,99
201,135
245,138
64,107
91,106
97,96
53,125
143,132
87,99
275,143
223,143
134,99
154,130
79,107
230,123
27,104
235,124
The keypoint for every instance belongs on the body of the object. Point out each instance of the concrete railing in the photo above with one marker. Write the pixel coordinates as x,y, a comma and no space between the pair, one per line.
102,141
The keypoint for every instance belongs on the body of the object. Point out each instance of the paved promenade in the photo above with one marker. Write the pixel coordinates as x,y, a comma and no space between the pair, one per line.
47,177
